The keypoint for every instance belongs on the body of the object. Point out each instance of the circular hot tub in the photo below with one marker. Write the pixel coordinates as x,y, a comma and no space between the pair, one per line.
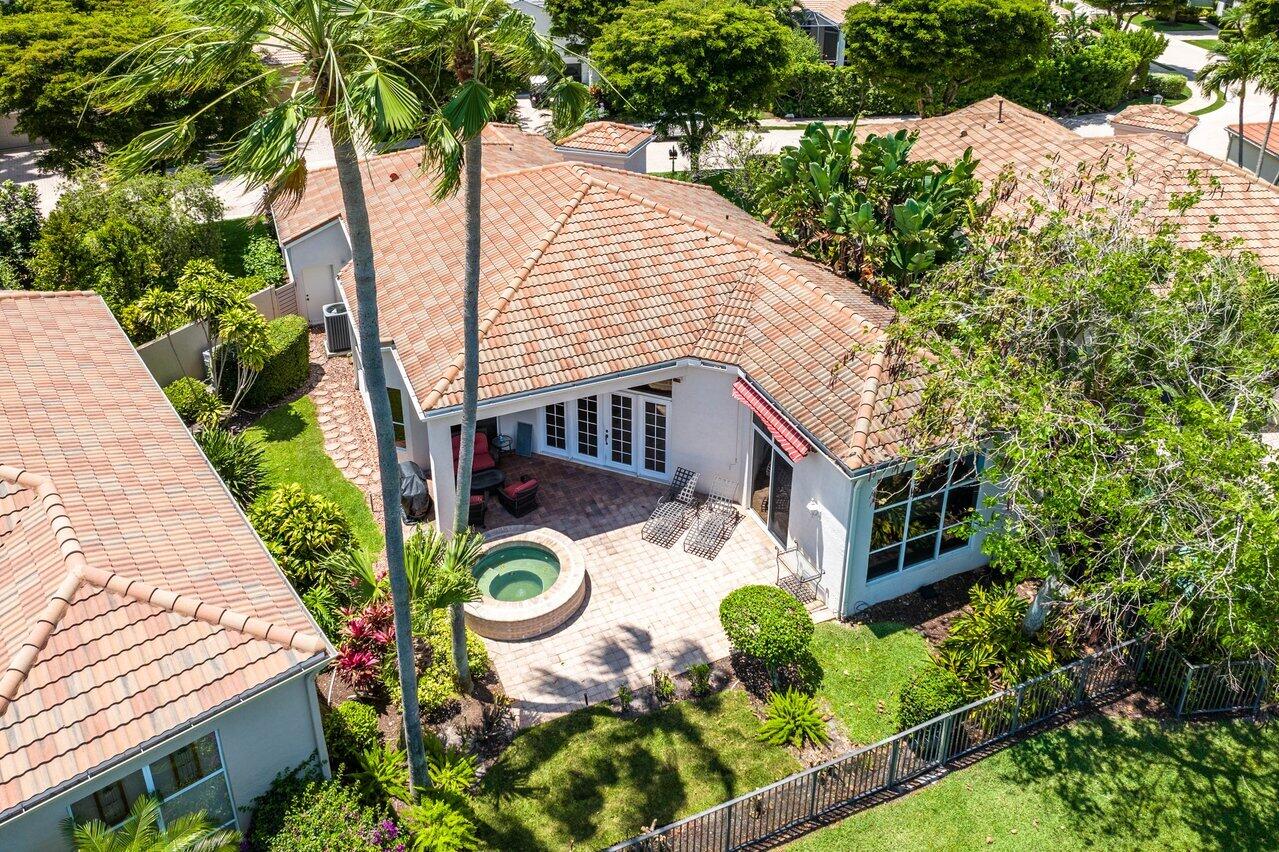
532,580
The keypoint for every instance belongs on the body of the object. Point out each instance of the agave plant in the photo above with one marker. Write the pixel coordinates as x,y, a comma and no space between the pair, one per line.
793,718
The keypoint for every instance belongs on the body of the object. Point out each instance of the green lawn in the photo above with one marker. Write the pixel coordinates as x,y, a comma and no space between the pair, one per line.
293,448
863,667
591,778
1212,45
236,235
1097,784
1217,103
1168,26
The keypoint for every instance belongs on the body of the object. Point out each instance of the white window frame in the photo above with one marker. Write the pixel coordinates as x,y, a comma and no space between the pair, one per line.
397,415
603,423
908,502
149,783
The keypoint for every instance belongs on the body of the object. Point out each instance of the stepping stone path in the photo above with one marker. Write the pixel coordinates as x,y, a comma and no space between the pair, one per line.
348,432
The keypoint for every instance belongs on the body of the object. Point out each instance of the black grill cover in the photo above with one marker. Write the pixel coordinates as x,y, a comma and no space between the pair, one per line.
415,500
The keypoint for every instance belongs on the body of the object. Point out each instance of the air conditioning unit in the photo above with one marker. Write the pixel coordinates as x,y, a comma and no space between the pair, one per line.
337,329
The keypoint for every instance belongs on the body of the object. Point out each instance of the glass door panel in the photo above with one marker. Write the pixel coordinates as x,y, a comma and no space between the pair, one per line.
654,437
761,475
588,422
779,497
621,430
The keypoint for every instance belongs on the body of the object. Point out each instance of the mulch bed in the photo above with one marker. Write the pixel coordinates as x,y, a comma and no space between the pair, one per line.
929,610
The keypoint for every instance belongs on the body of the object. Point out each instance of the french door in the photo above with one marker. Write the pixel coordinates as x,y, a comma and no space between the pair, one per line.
771,474
623,430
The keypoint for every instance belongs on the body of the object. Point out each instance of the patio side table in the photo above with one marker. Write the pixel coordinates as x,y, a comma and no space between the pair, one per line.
487,480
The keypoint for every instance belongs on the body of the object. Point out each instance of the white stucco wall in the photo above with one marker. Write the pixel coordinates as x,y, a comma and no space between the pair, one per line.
313,261
1269,168
268,734
821,533
636,161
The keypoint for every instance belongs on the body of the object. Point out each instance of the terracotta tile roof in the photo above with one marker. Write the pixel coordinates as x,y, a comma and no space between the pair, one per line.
587,270
609,137
1256,134
1151,168
138,597
1156,117
832,10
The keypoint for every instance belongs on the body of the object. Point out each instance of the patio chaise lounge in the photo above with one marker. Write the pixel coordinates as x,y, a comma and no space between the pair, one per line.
673,512
715,522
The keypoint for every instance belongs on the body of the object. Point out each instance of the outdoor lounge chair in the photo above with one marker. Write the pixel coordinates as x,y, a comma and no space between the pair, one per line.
673,512
475,516
519,498
715,522
484,459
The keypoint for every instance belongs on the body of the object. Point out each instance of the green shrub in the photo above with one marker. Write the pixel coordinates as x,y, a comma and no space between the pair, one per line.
766,623
699,678
792,717
287,365
931,692
304,813
350,729
818,90
440,640
194,401
262,260
236,459
322,602
1169,86
437,694
300,529
986,647
663,686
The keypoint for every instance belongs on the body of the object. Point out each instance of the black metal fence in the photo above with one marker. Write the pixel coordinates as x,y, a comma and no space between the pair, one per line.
876,770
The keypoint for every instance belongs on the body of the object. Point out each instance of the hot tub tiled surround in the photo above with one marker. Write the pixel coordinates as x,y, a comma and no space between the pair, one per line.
514,620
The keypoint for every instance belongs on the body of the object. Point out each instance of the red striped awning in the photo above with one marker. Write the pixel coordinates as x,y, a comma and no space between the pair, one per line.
786,435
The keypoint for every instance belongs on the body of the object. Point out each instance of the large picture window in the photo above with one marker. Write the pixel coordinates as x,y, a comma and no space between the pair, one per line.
185,781
396,398
919,515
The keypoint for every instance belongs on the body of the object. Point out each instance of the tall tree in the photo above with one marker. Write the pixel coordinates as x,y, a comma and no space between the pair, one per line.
1268,83
51,52
579,22
693,64
478,42
351,82
1234,70
928,50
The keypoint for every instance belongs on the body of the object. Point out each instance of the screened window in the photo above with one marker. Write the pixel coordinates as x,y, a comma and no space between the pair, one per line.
186,781
921,514
397,415
556,427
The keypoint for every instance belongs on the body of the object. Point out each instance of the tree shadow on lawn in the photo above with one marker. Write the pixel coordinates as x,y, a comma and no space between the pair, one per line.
594,778
280,424
1124,784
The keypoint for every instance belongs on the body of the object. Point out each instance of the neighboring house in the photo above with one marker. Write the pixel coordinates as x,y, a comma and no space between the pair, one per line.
638,324
1253,137
608,143
823,20
151,645
1156,119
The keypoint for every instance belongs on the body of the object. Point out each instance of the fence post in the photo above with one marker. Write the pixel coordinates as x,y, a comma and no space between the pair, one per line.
812,796
1262,687
947,726
1141,660
728,828
1185,688
1021,688
1081,690
892,763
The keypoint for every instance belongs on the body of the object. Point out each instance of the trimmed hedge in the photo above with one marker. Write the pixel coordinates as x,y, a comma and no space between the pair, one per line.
766,623
288,365
194,401
930,693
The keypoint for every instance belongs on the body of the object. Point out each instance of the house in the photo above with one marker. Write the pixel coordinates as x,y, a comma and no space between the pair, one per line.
608,143
1252,138
637,324
823,20
150,643
1154,118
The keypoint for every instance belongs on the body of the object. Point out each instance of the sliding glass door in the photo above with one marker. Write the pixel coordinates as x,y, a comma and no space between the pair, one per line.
771,474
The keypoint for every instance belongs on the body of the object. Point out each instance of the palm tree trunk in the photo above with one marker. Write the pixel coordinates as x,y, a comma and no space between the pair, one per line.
1265,140
1243,91
470,386
357,222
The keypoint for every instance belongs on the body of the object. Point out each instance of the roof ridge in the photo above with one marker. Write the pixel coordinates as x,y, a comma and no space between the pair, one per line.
453,370
79,572
766,252
45,294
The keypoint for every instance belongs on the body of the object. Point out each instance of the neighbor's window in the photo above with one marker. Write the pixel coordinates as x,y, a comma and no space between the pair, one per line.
556,427
397,416
919,515
185,781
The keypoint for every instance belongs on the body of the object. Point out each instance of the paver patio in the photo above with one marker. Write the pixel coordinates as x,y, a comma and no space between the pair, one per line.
646,606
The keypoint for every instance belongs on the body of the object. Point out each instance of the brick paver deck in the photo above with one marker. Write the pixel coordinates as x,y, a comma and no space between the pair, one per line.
646,606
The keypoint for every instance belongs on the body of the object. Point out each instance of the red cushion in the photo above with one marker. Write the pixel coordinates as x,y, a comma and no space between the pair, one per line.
477,499
483,459
518,488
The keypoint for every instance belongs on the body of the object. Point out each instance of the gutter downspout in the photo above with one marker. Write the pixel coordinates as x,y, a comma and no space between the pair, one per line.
317,725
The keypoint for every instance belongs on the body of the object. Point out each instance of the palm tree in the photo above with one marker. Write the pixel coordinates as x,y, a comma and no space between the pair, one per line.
141,832
477,42
1268,82
351,80
1237,67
